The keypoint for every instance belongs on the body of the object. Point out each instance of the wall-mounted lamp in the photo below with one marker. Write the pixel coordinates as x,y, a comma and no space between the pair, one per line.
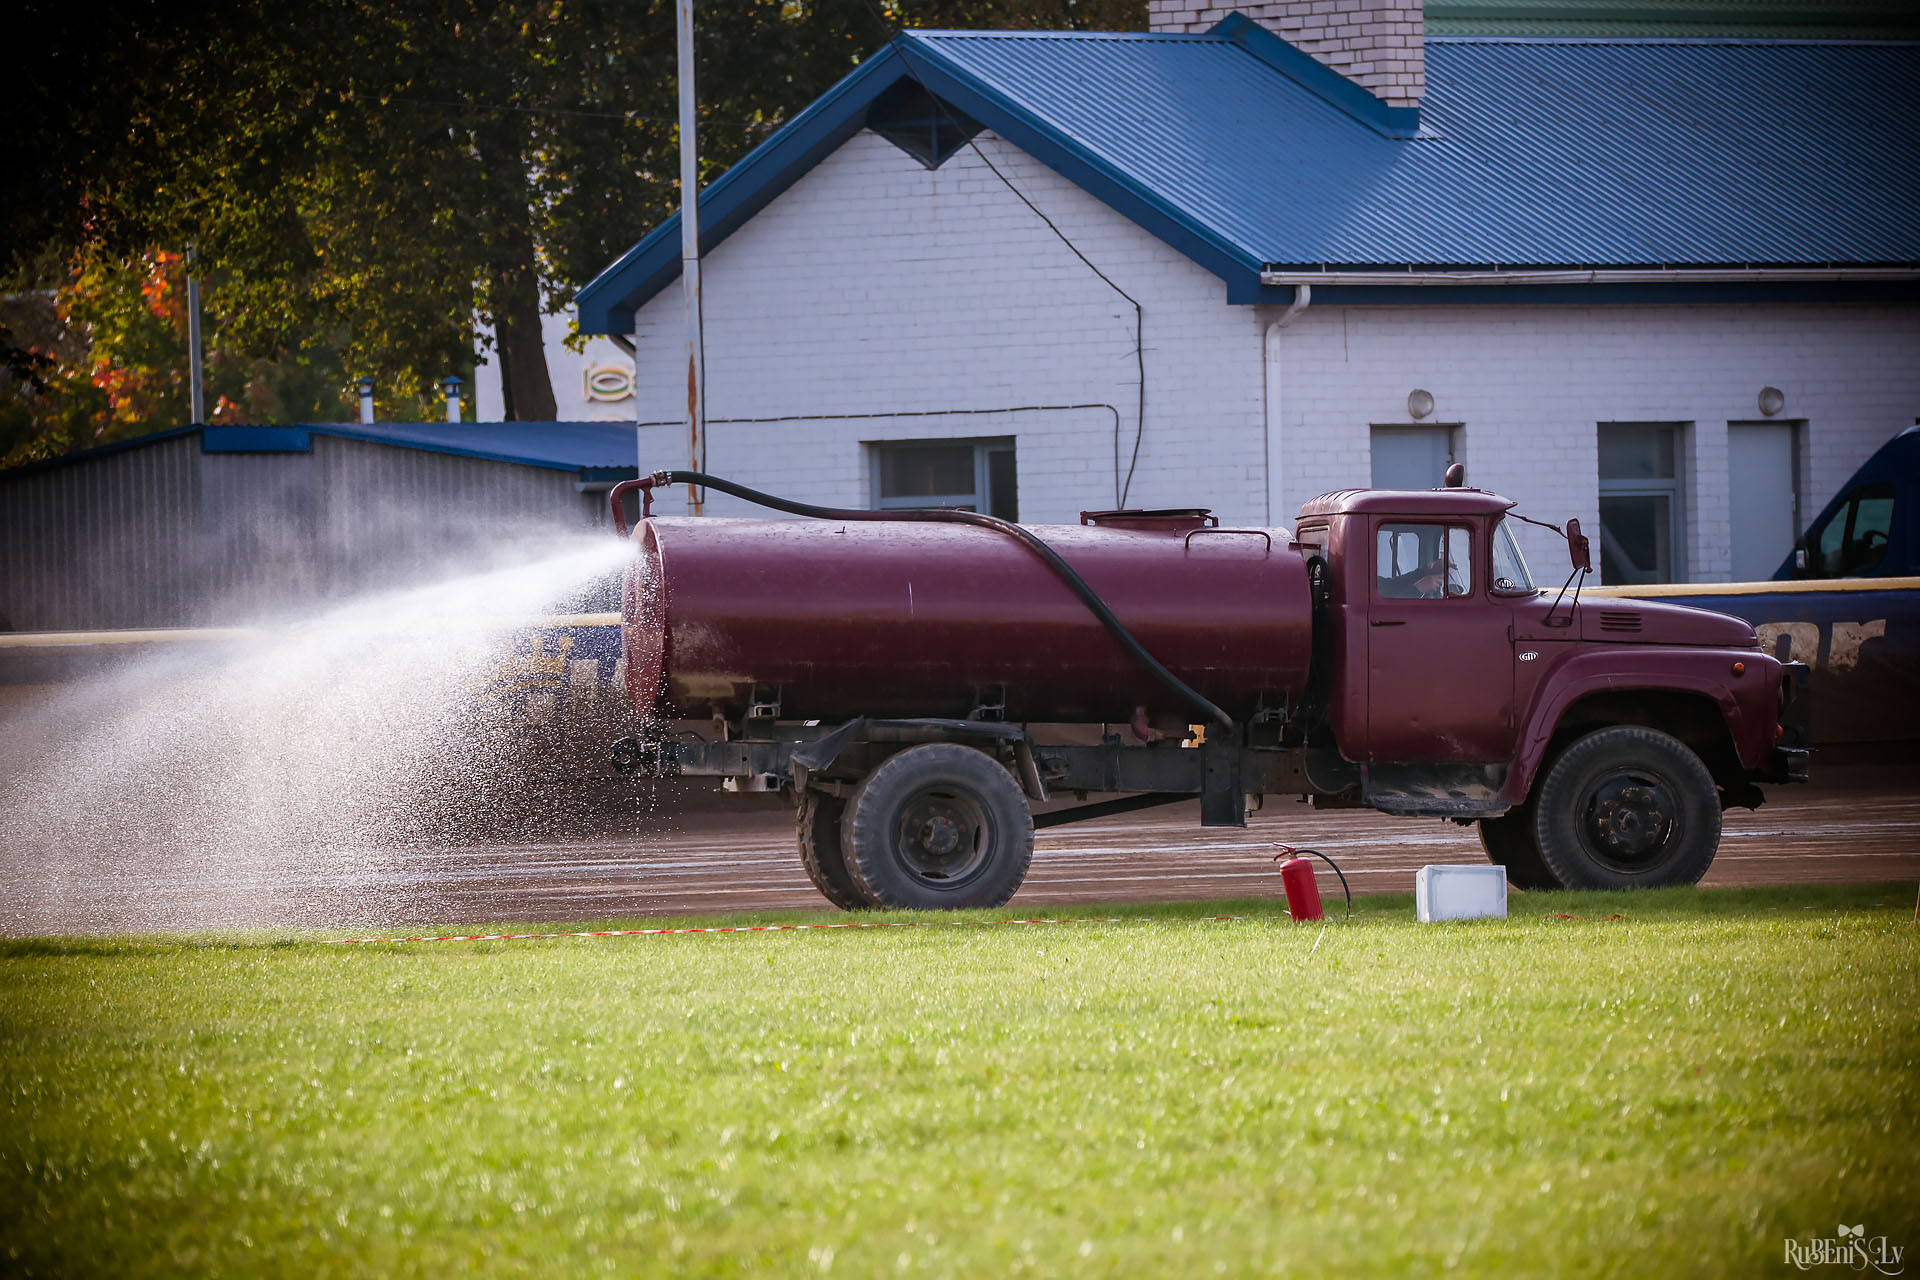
1420,404
1772,400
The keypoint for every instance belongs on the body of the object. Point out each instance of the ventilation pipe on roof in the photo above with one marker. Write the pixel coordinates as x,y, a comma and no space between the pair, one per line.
1302,298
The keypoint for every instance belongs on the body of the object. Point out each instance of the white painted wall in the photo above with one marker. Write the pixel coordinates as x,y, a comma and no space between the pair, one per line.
1532,384
875,286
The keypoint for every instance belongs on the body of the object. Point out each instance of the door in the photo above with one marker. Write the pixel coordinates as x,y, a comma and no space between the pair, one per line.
1766,516
1439,649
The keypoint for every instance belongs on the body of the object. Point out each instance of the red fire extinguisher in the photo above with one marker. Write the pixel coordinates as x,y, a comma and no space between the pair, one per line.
1303,894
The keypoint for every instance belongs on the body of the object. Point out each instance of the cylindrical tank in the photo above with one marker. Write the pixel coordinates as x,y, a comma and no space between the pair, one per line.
899,619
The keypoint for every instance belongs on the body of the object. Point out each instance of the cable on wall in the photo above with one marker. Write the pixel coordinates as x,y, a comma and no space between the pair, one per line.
1121,487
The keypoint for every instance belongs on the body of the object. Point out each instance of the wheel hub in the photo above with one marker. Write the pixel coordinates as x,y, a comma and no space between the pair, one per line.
1631,817
942,837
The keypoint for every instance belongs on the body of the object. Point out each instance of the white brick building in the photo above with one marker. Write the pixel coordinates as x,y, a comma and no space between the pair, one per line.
857,299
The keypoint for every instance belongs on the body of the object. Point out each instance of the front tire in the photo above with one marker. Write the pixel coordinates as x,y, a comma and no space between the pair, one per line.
1513,845
1628,808
938,827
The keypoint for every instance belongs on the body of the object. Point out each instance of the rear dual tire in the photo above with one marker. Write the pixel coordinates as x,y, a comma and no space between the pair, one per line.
821,852
938,827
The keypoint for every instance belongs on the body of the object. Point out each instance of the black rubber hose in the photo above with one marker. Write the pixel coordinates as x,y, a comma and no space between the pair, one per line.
1024,537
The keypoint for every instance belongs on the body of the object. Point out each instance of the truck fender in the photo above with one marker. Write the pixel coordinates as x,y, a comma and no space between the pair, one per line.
1697,672
819,755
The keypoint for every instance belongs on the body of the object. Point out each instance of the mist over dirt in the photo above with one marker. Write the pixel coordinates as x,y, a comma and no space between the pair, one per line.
324,752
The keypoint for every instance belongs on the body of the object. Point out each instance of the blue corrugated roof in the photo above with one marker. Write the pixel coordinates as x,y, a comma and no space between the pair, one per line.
1243,153
559,446
599,448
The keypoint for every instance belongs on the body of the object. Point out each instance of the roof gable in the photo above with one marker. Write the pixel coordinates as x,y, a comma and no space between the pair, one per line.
1243,153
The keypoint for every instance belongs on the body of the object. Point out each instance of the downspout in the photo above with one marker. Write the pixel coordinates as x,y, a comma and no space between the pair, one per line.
1302,297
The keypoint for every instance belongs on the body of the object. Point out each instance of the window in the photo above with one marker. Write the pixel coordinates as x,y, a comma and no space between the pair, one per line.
964,475
1423,561
1853,541
1641,507
925,127
1412,457
1510,576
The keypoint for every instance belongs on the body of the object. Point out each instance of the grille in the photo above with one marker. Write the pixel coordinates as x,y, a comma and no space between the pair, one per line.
1619,620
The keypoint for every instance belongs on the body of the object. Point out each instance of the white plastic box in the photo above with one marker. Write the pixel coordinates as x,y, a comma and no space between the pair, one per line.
1460,893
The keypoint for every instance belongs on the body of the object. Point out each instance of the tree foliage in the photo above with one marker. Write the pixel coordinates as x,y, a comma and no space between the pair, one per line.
366,183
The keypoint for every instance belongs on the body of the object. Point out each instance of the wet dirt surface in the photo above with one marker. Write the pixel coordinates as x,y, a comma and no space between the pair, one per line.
705,862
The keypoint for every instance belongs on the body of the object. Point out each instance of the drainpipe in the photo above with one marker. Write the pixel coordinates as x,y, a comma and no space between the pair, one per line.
1302,297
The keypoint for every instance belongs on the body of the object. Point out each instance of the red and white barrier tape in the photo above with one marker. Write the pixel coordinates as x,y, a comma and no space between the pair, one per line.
783,928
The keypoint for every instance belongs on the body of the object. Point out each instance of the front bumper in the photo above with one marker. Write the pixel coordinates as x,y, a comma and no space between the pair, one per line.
1787,762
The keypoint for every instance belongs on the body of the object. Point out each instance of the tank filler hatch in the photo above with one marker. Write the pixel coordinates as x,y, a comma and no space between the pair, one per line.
1162,520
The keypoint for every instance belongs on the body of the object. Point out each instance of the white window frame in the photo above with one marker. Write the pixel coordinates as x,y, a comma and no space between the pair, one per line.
1673,488
980,498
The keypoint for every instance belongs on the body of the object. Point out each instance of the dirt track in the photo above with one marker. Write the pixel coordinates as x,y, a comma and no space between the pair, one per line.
1858,832
1162,855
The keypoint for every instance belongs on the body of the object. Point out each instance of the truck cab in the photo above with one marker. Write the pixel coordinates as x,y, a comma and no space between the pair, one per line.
1458,686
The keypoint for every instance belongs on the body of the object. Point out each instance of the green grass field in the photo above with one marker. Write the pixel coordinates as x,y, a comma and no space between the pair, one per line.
1673,1092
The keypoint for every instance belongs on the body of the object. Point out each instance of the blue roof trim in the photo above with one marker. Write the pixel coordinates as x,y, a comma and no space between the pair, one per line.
593,451
1318,79
98,451
1599,294
551,446
607,303
1077,164
256,440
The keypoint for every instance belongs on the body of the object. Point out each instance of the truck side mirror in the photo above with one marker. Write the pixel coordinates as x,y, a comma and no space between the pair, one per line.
1577,549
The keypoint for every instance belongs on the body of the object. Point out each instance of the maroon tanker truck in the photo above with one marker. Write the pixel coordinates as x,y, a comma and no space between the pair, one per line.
916,680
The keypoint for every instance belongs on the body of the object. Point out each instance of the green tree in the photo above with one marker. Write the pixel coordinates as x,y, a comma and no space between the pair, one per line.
365,181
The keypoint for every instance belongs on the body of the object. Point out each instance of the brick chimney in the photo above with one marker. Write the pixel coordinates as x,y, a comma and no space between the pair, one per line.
1377,44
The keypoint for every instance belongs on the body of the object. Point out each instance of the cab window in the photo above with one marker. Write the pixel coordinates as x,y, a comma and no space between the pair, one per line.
1854,541
1422,561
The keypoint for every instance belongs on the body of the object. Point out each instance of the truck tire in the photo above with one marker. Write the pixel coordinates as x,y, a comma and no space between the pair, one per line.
822,854
940,827
1627,808
1513,845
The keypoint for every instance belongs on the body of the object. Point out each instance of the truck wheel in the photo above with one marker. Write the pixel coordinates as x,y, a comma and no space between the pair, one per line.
1627,808
822,854
1512,844
938,826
